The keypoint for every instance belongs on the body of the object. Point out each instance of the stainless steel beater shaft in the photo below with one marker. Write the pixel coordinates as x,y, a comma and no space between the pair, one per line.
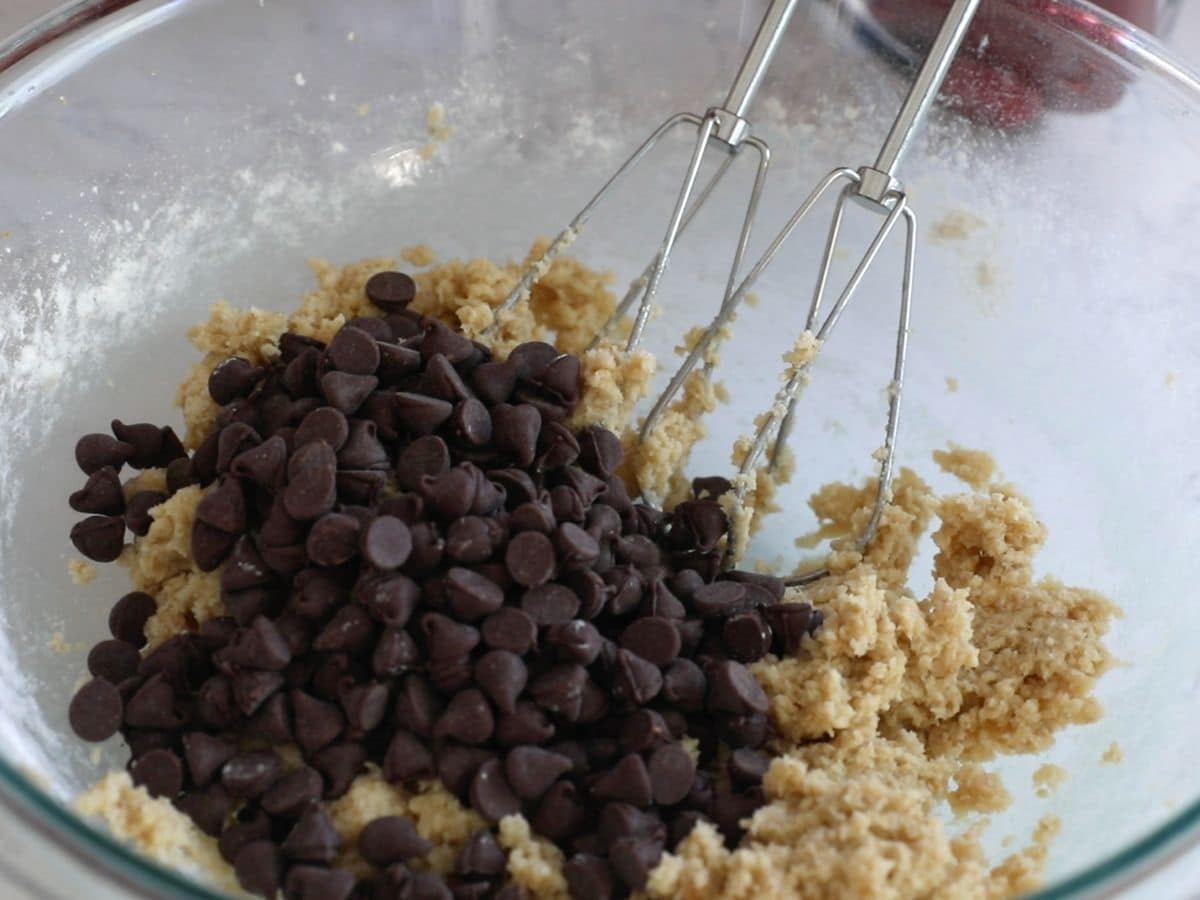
723,127
877,187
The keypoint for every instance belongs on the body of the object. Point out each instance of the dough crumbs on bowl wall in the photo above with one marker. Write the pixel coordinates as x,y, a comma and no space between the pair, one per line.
1048,779
1113,755
955,225
951,384
81,571
435,122
420,255
975,468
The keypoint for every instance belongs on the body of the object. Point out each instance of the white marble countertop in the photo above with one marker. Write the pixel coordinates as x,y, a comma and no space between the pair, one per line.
1180,881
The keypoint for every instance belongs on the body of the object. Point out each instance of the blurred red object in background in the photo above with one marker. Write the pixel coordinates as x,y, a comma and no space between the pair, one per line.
1009,70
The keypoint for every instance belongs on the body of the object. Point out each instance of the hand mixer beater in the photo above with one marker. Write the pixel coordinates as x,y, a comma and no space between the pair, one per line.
722,129
874,186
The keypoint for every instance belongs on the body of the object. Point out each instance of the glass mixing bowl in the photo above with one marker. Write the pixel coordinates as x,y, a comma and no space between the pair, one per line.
157,155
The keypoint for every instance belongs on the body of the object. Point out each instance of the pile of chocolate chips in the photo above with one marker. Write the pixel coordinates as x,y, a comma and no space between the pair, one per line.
423,567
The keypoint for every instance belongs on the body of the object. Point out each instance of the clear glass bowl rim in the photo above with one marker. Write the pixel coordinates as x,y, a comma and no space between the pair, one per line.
119,863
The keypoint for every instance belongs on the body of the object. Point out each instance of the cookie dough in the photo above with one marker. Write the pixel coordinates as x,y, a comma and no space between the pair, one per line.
887,713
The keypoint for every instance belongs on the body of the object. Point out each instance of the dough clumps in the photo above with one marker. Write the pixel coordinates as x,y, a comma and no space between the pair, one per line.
887,712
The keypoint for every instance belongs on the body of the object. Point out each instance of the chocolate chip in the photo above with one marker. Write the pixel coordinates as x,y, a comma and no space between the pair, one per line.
339,764
575,641
152,706
386,543
732,689
205,755
491,795
232,378
561,814
396,363
643,730
447,639
420,414
95,451
672,771
313,838
626,587
210,546
627,782
307,882
101,494
353,350
323,424
427,455
137,510
509,629
559,690
346,391
317,723
146,441
239,425
406,758
772,584
575,545
747,637
653,638
114,661
249,774
467,718
248,826
494,382
272,720
260,646
395,653
208,808
390,291
744,731
391,839
635,679
719,600
634,858
365,706
530,559
363,451
525,725
502,676
588,877
417,706
159,772
684,685
550,604
531,770
557,447
600,451
224,508
214,703
390,600
748,766
259,868
440,339
350,629
95,711
790,623
252,688
700,524
471,423
469,540
180,474
99,538
311,493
